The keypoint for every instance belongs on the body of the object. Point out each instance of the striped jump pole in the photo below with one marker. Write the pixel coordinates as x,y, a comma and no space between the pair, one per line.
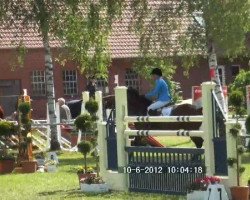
164,133
198,118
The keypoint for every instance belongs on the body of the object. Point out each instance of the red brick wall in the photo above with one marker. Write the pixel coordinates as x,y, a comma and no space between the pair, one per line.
35,60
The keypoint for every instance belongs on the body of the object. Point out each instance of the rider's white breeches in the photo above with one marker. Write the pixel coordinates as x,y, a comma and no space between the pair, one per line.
158,104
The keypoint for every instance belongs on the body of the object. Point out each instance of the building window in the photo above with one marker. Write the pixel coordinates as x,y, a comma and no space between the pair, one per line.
70,82
38,83
132,79
221,70
102,85
235,69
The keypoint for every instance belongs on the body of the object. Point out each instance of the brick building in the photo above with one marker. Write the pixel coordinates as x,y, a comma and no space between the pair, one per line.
69,83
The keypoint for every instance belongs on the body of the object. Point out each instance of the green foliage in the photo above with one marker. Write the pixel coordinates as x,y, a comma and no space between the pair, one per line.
242,169
92,106
231,161
247,124
7,128
241,149
24,108
236,98
144,65
85,32
240,82
83,122
84,147
223,23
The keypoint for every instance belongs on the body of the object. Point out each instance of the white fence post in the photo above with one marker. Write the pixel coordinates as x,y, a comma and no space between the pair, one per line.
102,143
207,88
121,111
98,98
85,98
231,153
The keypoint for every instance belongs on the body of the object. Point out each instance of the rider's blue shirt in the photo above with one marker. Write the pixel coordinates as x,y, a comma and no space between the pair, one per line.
161,91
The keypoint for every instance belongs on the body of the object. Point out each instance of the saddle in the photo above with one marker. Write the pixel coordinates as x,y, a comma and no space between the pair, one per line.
158,112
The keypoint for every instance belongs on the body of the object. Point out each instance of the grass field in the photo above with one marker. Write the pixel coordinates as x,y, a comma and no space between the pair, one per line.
64,184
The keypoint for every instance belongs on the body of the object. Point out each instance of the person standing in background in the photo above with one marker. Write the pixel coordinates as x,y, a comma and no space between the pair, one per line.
65,114
91,87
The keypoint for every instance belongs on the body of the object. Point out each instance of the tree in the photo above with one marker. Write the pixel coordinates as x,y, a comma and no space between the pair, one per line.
39,15
190,29
85,31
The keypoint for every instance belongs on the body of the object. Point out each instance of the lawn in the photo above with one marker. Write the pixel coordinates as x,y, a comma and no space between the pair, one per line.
64,183
60,185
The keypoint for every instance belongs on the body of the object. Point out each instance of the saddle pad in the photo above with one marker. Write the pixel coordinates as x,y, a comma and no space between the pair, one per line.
167,111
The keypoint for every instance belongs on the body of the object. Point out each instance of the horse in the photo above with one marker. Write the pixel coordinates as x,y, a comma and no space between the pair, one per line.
137,106
1,113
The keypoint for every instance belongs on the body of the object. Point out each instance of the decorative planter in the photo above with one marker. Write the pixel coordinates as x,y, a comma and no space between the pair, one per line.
94,188
40,161
213,192
51,168
87,175
29,166
240,193
196,195
6,166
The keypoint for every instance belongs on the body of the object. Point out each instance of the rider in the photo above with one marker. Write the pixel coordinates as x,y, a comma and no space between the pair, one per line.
160,92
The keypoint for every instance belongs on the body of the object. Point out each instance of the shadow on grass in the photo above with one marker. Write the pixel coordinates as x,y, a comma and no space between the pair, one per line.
68,194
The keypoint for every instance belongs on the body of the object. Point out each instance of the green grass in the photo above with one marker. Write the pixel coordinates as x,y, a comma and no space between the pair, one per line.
172,141
64,184
61,185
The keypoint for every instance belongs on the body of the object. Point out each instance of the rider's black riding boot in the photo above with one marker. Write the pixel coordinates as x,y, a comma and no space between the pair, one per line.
152,113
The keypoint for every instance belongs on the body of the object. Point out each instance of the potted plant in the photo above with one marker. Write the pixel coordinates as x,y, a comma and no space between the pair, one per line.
82,173
207,188
50,166
84,147
238,192
6,161
25,154
93,185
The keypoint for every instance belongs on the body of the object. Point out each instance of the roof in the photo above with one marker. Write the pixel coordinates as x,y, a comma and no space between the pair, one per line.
122,42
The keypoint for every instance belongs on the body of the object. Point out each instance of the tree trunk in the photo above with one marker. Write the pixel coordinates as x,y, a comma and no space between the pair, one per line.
214,73
54,143
85,162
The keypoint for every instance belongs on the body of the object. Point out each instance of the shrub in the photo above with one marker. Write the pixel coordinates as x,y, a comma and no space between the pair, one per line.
84,147
83,122
24,108
236,98
92,106
7,128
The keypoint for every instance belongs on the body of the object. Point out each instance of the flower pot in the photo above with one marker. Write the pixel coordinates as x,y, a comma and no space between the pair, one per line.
29,166
87,175
196,195
94,188
240,193
6,166
51,168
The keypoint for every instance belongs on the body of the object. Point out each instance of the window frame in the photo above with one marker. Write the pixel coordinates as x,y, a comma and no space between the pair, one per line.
130,82
69,83
37,85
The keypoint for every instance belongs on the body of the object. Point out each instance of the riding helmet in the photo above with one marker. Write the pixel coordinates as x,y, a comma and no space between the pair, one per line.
156,71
